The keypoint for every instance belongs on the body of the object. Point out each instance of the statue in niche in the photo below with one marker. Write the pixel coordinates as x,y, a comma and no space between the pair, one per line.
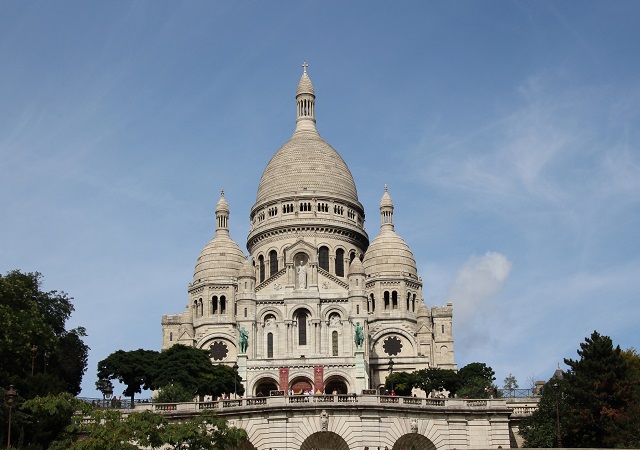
414,425
301,270
324,420
334,320
243,340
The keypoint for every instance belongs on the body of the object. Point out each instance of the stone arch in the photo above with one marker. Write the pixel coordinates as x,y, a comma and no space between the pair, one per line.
336,383
339,375
324,439
334,309
414,441
301,383
264,385
263,313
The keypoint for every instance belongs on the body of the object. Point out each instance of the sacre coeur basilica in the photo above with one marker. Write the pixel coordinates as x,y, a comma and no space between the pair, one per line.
317,308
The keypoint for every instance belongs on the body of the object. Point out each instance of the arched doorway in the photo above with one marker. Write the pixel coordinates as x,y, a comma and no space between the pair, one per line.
301,384
413,441
324,440
264,387
336,384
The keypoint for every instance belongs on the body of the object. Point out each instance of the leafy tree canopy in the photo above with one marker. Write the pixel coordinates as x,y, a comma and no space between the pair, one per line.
33,335
400,382
598,400
135,369
435,379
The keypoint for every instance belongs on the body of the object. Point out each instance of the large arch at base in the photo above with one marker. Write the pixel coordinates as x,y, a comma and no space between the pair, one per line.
413,441
264,386
324,440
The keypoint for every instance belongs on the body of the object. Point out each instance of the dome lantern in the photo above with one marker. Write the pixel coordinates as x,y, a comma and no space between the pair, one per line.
386,210
306,102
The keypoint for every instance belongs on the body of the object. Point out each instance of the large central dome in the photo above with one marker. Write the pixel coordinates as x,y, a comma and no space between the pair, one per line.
306,164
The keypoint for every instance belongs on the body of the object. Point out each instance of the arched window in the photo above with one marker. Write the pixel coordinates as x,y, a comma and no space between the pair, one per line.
352,256
394,299
339,262
201,307
323,258
334,343
386,299
214,305
223,305
413,303
408,300
269,345
170,337
301,317
245,312
373,303
261,264
357,309
273,263
443,328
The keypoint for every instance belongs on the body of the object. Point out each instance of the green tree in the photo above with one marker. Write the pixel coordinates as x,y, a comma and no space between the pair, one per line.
47,418
204,432
192,369
510,382
435,379
400,382
135,369
173,393
540,429
476,381
33,336
600,391
597,398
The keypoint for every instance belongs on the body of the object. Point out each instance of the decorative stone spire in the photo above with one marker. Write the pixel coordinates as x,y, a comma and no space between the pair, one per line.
305,101
386,210
222,215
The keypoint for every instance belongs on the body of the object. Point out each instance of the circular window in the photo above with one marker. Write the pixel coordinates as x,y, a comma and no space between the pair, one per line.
219,351
392,346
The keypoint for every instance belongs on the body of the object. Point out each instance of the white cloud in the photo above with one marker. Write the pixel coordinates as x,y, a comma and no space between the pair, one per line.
477,281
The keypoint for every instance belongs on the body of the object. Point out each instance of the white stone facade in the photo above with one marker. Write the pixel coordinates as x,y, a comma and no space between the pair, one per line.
310,279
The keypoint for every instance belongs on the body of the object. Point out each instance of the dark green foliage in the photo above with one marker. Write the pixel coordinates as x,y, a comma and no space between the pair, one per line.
135,369
598,400
476,381
434,379
109,429
33,318
400,382
173,393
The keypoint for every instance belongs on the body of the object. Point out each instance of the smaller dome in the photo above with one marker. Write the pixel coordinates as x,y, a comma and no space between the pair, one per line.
389,254
247,270
356,267
220,258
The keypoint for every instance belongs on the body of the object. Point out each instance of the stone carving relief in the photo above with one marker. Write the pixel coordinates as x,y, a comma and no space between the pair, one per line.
324,420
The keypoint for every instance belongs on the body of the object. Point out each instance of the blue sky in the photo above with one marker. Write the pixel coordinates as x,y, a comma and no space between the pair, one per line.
507,132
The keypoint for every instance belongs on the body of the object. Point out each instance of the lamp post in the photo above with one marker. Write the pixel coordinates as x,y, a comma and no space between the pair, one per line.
235,378
391,372
34,349
556,387
10,398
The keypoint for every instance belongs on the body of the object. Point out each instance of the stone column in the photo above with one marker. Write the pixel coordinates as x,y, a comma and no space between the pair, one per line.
242,371
361,373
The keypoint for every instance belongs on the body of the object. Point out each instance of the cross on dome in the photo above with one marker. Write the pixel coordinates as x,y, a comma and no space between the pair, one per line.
304,66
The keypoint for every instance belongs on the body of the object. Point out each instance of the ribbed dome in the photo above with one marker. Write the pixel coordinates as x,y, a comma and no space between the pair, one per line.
306,164
389,253
221,257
